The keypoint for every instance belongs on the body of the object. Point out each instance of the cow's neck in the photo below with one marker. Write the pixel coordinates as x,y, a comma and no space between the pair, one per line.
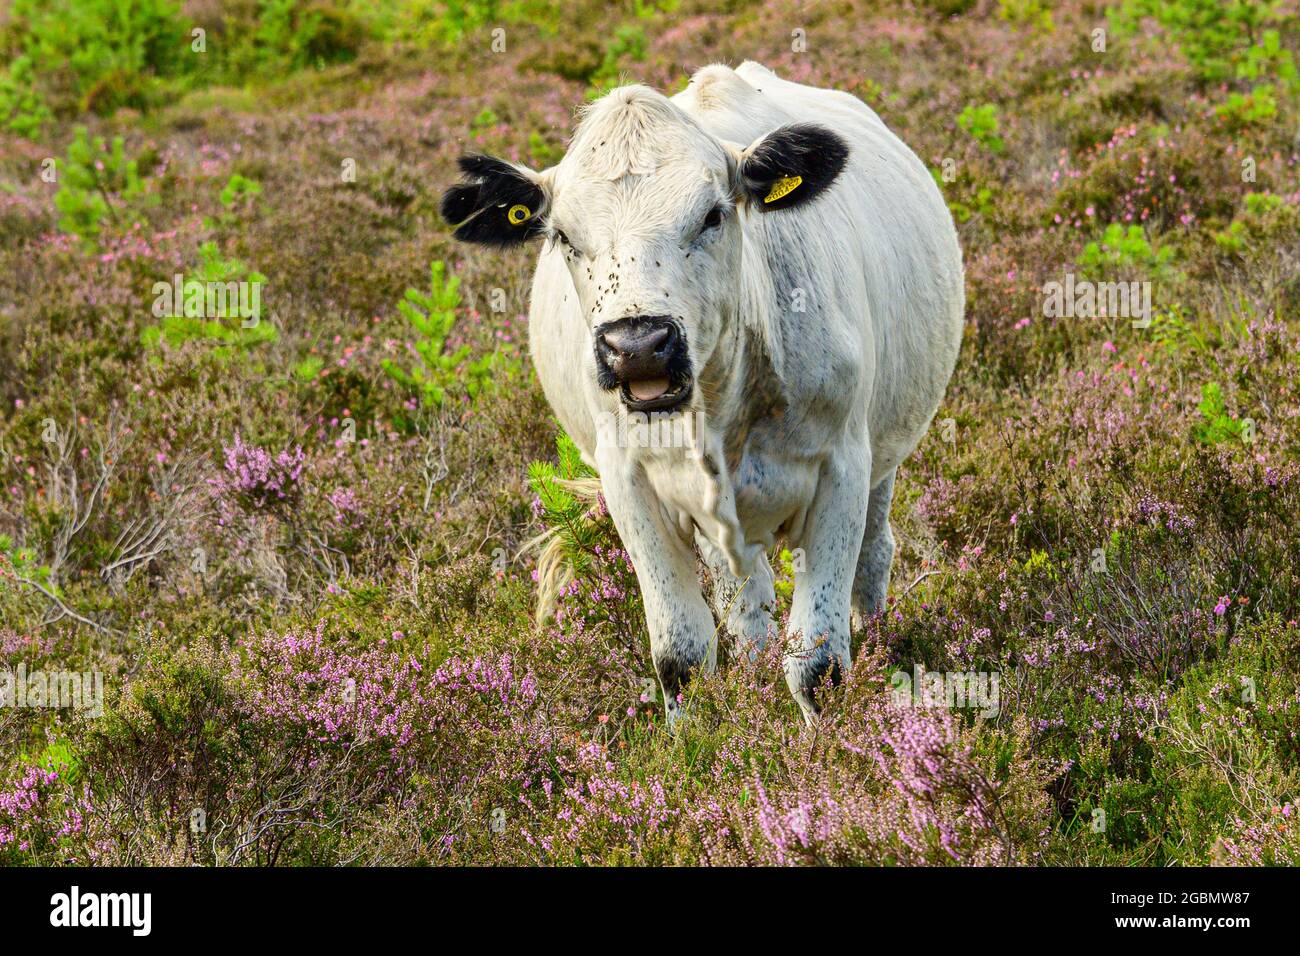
742,386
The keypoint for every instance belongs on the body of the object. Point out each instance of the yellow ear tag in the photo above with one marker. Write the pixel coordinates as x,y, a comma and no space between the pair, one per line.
519,214
783,187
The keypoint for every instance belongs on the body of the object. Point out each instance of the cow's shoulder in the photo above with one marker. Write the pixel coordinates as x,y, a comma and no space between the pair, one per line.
729,107
750,101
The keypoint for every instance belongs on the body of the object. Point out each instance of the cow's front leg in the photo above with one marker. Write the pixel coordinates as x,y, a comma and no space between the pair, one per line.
744,606
818,635
680,625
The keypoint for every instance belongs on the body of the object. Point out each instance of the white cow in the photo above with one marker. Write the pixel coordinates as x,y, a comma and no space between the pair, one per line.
768,264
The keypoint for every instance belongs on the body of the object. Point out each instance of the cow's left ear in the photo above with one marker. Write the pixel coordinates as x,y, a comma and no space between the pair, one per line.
497,203
791,165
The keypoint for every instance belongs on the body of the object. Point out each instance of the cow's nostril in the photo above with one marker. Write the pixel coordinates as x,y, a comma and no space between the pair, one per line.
659,339
611,343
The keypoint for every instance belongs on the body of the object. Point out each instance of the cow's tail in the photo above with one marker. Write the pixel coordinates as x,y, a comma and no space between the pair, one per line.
554,570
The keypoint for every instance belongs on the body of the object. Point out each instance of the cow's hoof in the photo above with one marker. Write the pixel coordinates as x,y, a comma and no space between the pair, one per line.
805,674
747,652
675,715
807,706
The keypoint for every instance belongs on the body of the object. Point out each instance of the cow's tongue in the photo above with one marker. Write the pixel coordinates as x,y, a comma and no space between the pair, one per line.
648,389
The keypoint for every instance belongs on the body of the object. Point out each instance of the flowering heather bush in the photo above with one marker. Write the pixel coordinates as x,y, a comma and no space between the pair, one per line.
257,480
321,641
1272,842
331,697
897,787
36,816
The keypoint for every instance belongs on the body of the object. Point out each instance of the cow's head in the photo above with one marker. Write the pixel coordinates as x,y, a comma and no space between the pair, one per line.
645,208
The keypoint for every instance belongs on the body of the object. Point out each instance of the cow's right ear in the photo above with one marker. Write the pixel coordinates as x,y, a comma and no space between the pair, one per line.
497,203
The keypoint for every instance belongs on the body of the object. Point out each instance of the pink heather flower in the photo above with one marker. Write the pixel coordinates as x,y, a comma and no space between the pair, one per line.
345,504
256,479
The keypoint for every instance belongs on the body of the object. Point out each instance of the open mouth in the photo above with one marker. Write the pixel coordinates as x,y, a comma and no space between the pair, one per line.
654,394
644,357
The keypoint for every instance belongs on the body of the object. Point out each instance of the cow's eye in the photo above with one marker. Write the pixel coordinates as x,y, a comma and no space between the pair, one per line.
714,218
570,249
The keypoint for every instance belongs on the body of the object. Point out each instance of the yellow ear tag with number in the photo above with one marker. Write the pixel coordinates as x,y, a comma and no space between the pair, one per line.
783,187
518,215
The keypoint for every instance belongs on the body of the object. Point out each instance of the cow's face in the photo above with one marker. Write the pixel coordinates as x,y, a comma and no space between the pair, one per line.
653,249
646,210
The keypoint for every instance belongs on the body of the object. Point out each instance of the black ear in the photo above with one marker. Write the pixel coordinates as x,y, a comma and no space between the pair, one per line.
497,204
791,165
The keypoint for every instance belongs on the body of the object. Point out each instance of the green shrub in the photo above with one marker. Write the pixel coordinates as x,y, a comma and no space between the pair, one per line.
22,110
562,510
1214,35
437,372
98,55
1026,13
542,152
97,183
948,8
222,327
1122,248
1217,425
483,122
237,188
280,36
1219,41
981,122
627,43
981,203
1247,109
1253,225
23,563
443,22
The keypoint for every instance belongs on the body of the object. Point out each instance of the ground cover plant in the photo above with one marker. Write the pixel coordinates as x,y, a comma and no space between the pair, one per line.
272,449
